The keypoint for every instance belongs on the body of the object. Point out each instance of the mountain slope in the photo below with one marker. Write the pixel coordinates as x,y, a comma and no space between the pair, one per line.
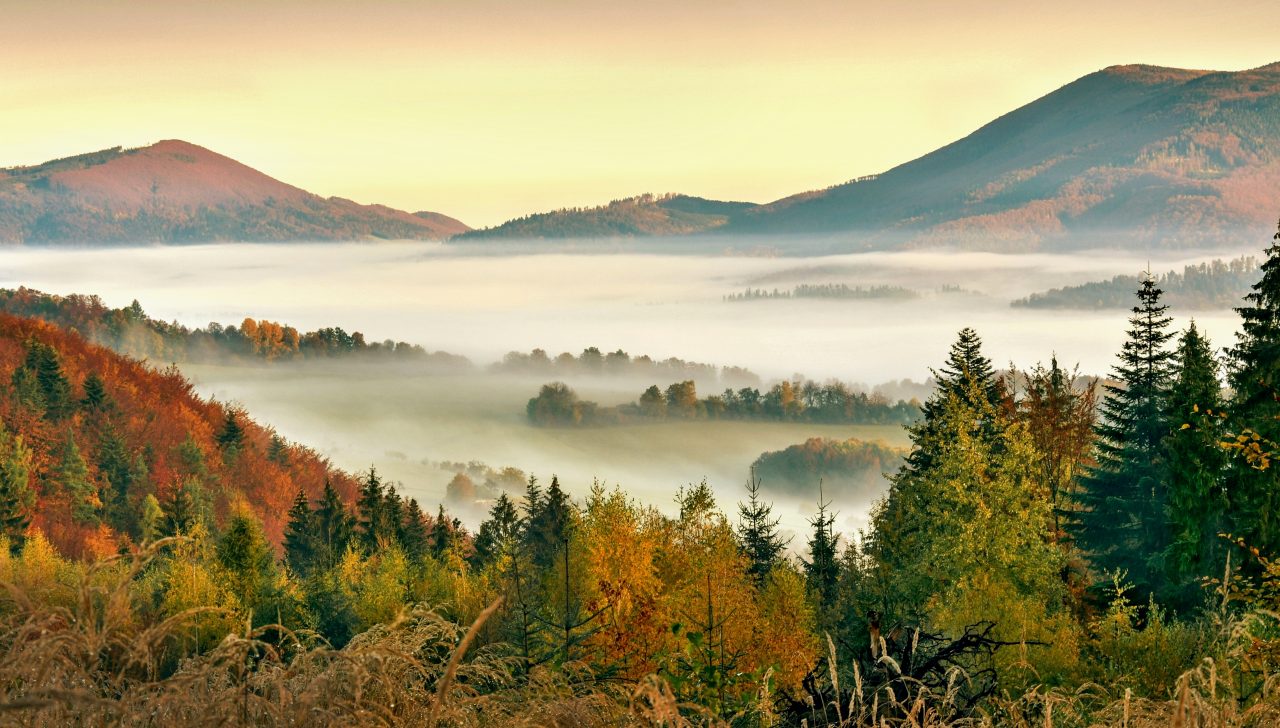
644,215
99,451
176,192
1174,156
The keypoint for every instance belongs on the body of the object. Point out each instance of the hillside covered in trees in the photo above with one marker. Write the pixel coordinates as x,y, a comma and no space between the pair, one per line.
645,215
131,331
1041,557
1214,285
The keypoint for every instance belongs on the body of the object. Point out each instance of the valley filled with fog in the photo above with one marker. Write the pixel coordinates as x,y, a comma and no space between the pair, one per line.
406,419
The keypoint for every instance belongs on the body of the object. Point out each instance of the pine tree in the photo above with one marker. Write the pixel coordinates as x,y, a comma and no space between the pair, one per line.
822,569
71,475
125,476
179,513
43,367
1195,466
16,496
1121,523
299,535
278,451
548,527
371,512
414,534
967,373
758,530
231,437
1254,375
333,529
499,534
95,397
245,554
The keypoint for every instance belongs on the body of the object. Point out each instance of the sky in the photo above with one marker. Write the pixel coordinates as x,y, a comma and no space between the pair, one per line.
487,110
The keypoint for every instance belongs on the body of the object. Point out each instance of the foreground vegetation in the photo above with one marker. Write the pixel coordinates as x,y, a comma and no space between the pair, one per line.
1041,558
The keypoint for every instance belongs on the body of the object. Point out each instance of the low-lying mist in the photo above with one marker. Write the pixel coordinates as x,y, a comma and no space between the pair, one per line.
404,418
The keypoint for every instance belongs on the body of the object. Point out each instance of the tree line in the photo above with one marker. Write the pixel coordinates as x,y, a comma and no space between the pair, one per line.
799,400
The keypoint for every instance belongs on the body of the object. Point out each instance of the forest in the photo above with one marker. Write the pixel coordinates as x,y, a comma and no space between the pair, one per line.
827,290
1046,554
798,400
1216,284
131,331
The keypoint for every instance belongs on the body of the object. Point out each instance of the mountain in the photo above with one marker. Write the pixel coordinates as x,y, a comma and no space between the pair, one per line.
176,192
645,215
1127,155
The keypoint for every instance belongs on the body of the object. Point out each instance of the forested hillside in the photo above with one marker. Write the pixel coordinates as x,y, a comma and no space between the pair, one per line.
99,449
1217,284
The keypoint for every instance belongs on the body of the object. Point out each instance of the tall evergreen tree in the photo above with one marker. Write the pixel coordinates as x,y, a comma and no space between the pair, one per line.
372,513
414,534
333,529
43,367
965,365
758,530
299,535
230,438
1195,466
548,527
499,534
822,569
1254,375
1121,523
70,474
95,393
278,450
16,496
179,513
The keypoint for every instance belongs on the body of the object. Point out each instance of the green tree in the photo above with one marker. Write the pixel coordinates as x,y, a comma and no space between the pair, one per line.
822,569
179,513
278,451
547,529
414,534
299,535
70,473
499,534
1121,523
246,556
95,397
653,403
151,519
42,367
1195,466
1254,375
758,530
371,508
967,375
333,529
230,438
16,497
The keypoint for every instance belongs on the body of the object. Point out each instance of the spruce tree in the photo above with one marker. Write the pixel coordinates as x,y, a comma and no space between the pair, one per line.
231,437
16,497
967,373
1060,421
278,451
758,530
1121,525
95,393
1195,466
70,474
499,534
414,534
822,569
1254,375
333,528
179,513
371,512
43,366
299,535
548,527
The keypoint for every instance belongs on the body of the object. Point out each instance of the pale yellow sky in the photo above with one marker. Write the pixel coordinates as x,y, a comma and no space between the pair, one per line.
487,110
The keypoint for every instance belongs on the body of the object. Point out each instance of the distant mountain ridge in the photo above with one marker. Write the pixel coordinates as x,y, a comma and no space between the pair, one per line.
177,192
1129,154
644,215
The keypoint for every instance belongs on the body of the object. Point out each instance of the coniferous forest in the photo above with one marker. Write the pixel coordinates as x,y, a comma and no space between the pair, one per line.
1047,553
